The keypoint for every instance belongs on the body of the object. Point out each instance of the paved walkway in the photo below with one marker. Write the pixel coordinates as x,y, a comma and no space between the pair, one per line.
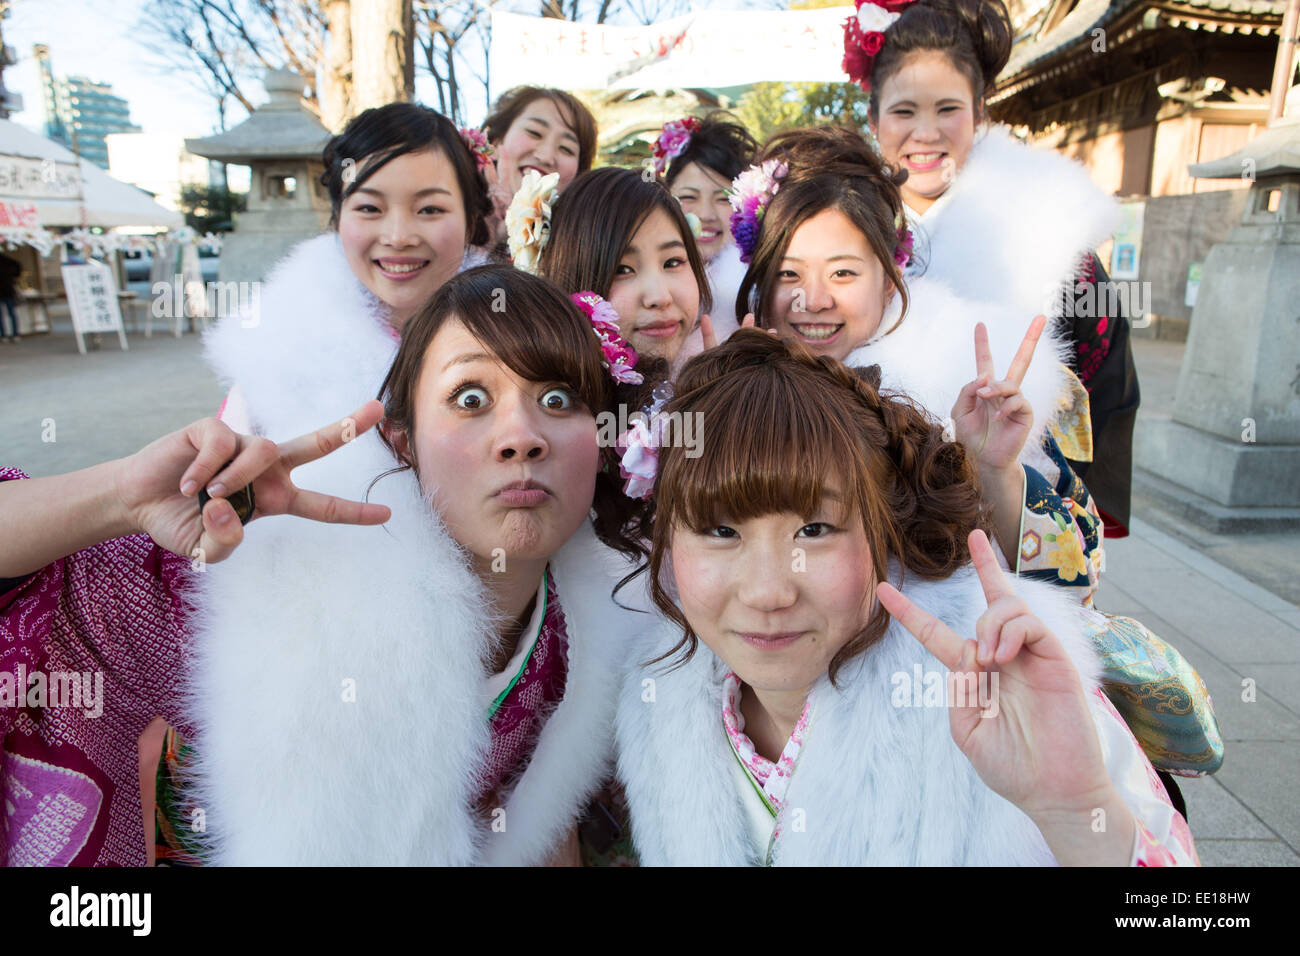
1191,590
1221,600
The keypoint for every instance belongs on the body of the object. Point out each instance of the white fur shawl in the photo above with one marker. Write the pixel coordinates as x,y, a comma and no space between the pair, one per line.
339,678
877,784
1014,224
931,355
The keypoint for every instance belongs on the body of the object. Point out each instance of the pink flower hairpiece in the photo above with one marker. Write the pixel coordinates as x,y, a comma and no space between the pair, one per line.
864,36
751,193
638,447
672,142
619,357
478,144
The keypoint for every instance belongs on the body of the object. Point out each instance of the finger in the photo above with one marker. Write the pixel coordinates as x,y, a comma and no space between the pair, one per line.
1025,354
992,579
1016,408
257,455
222,531
967,398
1015,634
934,635
983,355
321,442
332,510
706,331
215,443
990,628
1002,389
748,321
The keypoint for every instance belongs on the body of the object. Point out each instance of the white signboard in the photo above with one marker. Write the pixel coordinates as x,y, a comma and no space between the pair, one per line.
92,297
21,176
709,49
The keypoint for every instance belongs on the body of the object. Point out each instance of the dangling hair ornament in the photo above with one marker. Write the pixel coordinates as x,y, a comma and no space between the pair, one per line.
476,140
751,193
638,447
672,142
528,219
619,357
864,36
902,251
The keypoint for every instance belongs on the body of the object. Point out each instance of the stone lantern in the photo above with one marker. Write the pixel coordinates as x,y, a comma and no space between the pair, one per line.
1230,456
281,141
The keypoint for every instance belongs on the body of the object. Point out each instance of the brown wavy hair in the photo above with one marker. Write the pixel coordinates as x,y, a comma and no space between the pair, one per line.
778,424
541,336
829,167
578,118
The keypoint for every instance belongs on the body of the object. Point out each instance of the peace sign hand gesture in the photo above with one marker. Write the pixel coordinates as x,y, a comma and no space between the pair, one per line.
1034,742
993,418
157,487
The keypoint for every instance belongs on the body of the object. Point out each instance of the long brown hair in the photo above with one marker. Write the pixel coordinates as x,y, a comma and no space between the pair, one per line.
593,223
829,167
779,423
539,334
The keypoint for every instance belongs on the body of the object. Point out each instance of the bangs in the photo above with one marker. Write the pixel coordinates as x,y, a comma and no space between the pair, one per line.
540,335
764,450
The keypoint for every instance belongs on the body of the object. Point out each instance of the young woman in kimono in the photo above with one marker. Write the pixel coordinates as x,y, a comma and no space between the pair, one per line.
821,551
996,219
829,248
698,159
407,207
432,692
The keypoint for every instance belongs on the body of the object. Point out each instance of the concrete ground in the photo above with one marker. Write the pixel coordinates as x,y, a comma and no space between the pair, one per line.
1225,601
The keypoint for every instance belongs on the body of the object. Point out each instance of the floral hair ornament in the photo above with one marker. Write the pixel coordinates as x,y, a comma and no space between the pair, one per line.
864,36
902,251
638,447
672,142
528,219
476,140
619,357
751,193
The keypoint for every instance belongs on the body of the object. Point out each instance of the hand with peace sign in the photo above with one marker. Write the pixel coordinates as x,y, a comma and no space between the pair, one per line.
993,418
157,487
1035,745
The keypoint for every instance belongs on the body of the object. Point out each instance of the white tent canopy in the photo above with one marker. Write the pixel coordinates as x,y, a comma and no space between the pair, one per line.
100,199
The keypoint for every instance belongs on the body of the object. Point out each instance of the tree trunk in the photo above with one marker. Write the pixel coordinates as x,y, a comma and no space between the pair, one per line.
336,71
383,53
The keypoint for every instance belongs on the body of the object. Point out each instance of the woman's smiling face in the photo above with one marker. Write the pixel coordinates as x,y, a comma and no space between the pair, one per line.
403,230
831,290
776,597
654,289
540,138
926,124
701,191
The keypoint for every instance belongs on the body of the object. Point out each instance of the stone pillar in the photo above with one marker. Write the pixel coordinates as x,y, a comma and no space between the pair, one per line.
1229,459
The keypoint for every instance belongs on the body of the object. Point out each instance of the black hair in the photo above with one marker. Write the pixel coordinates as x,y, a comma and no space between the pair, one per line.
975,35
383,133
721,144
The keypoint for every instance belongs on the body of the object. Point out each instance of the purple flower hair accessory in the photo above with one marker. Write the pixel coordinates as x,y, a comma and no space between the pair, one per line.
751,193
